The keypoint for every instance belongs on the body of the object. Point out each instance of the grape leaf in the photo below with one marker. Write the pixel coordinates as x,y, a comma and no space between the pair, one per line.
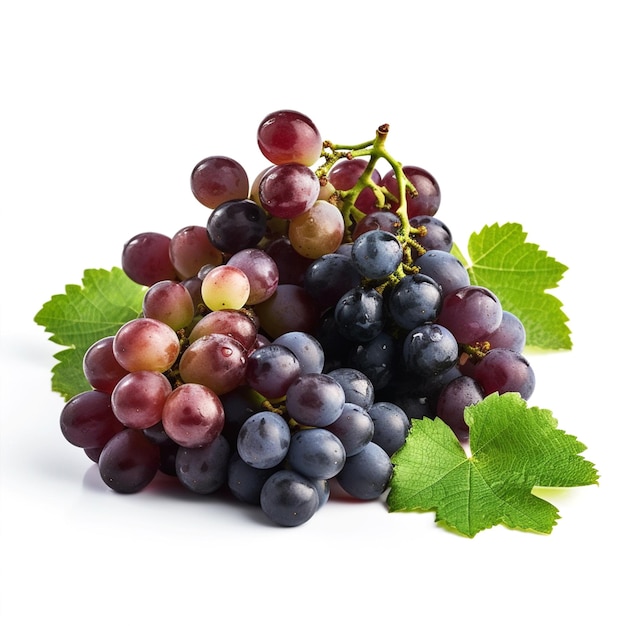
514,448
84,314
520,273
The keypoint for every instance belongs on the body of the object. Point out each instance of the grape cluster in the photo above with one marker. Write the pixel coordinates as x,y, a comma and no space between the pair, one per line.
286,345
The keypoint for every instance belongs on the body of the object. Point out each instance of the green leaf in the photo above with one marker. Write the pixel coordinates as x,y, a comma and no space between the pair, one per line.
519,273
514,448
82,315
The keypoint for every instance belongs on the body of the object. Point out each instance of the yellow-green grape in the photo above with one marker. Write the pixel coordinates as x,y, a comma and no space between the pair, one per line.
225,287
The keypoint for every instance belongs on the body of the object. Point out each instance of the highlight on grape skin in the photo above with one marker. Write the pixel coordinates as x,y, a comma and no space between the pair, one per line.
286,341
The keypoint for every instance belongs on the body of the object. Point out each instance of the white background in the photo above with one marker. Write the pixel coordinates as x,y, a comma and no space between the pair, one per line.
516,108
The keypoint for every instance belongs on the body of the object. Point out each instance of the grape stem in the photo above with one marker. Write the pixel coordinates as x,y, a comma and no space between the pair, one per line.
375,150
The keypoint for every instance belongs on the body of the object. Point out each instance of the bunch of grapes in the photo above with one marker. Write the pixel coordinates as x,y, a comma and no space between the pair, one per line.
286,345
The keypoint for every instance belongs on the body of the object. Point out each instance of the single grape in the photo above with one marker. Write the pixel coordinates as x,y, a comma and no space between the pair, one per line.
428,197
129,461
354,428
100,367
438,235
291,265
376,359
316,453
288,498
317,231
263,440
146,344
218,179
288,136
193,415
170,302
415,300
502,370
203,470
290,308
236,225
376,254
329,277
245,482
146,259
271,370
88,421
430,350
288,190
315,400
511,334
445,269
366,475
322,487
377,220
306,348
225,287
357,387
391,426
216,361
239,404
191,249
453,399
138,398
470,313
360,314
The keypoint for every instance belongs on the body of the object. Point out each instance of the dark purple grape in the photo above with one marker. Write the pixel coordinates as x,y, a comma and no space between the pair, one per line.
146,259
502,370
360,314
357,387
288,498
315,400
415,300
129,461
354,428
88,421
376,254
316,453
271,370
391,426
330,277
236,225
445,269
203,470
470,313
366,475
430,350
453,399
438,235
511,334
